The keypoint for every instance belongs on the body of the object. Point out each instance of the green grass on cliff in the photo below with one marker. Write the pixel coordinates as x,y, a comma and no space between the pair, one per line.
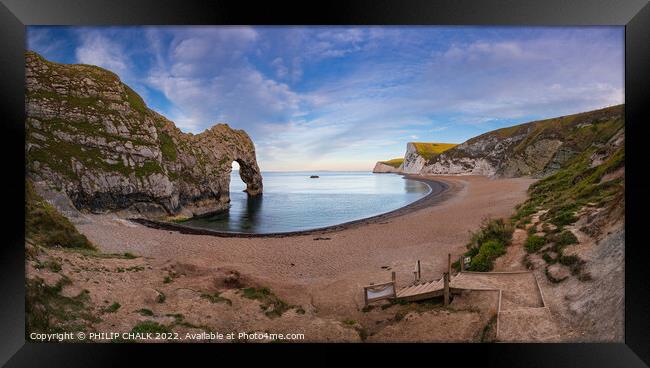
578,131
576,185
136,102
396,162
167,146
430,150
44,225
581,181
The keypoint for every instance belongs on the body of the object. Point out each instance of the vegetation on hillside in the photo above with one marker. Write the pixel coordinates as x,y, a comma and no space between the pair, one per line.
580,183
45,226
396,162
430,150
48,311
487,244
592,178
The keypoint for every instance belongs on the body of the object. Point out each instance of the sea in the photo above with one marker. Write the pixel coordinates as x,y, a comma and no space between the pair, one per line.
294,201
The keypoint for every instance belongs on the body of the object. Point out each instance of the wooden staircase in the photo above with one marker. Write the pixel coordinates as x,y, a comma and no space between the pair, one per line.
422,290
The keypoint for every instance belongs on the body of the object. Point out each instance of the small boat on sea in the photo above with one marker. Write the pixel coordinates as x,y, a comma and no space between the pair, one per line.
314,177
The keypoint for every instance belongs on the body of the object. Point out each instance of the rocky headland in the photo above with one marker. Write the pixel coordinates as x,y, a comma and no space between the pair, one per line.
536,149
91,139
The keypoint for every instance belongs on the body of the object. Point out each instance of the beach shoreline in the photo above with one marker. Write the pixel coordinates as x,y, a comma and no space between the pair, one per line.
439,191
321,273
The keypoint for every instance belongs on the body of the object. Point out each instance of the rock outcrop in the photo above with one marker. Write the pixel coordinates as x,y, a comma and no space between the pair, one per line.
413,161
534,149
383,168
92,138
416,156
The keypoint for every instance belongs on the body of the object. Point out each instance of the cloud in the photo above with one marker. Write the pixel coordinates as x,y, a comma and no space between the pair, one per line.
97,49
206,73
333,95
41,39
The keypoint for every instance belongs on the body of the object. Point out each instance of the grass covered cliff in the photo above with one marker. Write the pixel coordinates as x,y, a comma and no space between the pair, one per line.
93,138
536,149
417,153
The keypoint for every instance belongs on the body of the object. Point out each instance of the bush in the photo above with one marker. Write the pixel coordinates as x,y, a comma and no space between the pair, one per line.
498,230
548,259
488,243
472,252
480,263
150,326
271,304
565,238
145,312
113,307
534,243
492,249
569,260
488,252
216,298
564,217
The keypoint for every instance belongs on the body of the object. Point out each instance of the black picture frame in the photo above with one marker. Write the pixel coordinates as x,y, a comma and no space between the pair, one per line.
633,14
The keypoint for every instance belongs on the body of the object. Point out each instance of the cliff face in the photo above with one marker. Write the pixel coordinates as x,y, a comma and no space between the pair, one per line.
533,149
416,156
413,161
92,138
381,168
390,166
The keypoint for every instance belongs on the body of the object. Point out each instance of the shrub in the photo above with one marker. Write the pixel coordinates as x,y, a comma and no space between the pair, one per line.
145,312
565,238
488,243
492,249
113,307
569,260
150,327
480,263
216,298
548,259
270,303
488,252
534,243
564,217
498,230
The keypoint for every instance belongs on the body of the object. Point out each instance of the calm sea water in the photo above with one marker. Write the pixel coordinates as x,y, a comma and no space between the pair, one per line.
292,201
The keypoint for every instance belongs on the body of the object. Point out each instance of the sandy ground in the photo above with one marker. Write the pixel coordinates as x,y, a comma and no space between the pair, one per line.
319,275
330,273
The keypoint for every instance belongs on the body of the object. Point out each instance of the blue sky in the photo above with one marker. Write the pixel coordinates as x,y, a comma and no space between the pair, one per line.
341,98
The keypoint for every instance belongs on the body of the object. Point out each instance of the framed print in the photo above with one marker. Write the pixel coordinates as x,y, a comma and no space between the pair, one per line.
455,179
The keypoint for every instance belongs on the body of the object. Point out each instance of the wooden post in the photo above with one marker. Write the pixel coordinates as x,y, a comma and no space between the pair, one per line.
365,297
419,271
461,263
446,280
392,276
449,264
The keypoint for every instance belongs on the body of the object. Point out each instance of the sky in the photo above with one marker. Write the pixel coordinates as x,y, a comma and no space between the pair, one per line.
342,98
